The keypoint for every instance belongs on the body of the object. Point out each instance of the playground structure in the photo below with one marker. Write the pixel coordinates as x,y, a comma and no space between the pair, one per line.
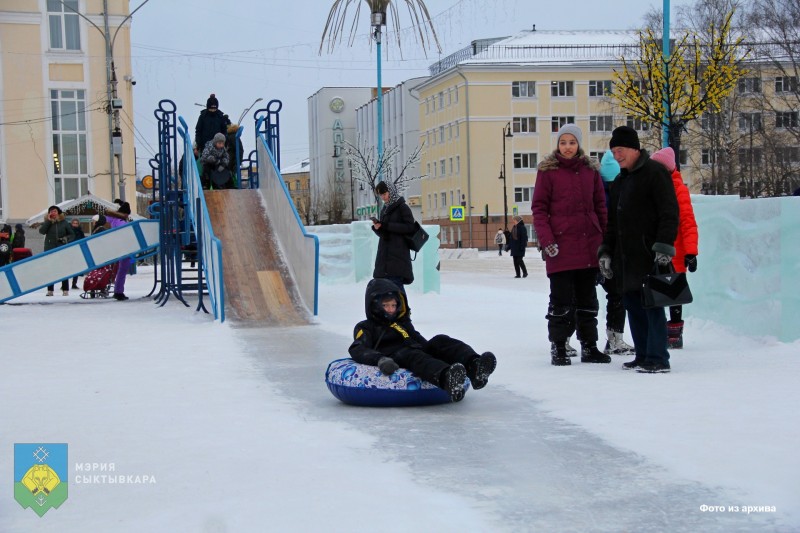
269,268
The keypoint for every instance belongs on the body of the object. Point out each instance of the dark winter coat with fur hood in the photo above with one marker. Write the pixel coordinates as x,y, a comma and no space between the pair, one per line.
643,220
380,335
569,209
394,258
56,232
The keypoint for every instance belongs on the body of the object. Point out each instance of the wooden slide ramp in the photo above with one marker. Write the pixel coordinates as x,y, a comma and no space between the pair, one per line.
258,288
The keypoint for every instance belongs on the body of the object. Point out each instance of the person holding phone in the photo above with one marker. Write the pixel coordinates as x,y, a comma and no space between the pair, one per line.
57,232
395,221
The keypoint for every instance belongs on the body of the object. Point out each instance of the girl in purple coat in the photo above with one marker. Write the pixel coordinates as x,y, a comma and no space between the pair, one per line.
569,215
115,220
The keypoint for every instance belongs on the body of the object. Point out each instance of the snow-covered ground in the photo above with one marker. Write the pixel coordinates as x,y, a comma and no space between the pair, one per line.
239,432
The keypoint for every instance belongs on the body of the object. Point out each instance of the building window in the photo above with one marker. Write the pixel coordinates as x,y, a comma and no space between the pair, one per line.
427,106
640,86
746,155
749,121
70,174
441,167
748,85
458,164
786,119
441,99
597,156
557,122
449,97
523,89
456,127
525,160
601,123
441,134
451,165
562,88
637,124
600,88
786,84
444,203
683,157
523,124
786,155
709,157
455,94
63,21
523,194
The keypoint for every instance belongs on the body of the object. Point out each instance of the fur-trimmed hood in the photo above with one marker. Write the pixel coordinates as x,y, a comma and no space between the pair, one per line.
554,161
60,218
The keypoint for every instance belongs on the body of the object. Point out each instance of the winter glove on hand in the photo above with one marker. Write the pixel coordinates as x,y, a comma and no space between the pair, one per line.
387,365
663,259
551,250
605,266
691,262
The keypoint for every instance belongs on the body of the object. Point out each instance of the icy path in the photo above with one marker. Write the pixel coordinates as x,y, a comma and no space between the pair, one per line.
497,450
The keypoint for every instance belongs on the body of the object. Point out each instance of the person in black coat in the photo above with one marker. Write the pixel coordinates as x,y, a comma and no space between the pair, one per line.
517,246
387,339
395,222
210,122
642,225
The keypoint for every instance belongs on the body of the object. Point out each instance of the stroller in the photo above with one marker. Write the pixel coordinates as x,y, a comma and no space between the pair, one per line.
96,284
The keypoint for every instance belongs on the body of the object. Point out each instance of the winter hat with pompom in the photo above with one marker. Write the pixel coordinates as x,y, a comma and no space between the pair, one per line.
665,156
609,168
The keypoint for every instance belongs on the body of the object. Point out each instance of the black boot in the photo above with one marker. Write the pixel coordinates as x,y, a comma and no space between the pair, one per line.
480,369
560,357
590,354
452,381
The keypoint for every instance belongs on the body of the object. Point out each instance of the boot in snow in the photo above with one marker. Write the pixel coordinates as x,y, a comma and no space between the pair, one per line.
452,381
571,352
480,369
590,354
675,335
616,345
559,357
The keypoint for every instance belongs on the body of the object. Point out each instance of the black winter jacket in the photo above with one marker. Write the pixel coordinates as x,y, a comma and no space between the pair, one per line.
393,257
208,125
518,245
642,220
378,335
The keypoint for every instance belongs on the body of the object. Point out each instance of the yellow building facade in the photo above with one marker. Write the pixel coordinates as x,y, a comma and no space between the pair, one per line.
59,139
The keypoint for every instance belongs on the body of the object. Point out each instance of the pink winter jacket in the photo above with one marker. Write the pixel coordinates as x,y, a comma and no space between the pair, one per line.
569,209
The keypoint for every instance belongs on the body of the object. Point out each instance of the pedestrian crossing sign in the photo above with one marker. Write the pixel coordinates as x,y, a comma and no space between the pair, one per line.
457,213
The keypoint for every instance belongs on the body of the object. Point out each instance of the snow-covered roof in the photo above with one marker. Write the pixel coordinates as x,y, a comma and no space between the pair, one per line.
70,207
563,46
302,166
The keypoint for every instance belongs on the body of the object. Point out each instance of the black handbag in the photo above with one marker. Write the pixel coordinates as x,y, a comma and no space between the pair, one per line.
665,290
417,240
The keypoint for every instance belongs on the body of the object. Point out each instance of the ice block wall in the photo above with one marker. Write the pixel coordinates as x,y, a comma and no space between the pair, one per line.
748,275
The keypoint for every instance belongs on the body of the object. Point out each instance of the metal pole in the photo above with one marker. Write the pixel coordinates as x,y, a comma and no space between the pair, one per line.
380,100
109,60
666,52
503,176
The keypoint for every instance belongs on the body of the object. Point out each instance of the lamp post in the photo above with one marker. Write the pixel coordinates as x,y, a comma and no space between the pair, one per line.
378,20
506,134
114,104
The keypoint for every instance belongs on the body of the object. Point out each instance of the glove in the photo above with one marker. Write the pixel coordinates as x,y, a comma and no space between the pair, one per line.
691,262
663,259
551,250
387,365
605,266
220,168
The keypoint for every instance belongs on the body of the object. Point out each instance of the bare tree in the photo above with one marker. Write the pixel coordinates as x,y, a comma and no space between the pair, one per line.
369,169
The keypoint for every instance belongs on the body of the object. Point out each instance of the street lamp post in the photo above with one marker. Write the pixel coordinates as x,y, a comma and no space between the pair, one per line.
506,133
378,20
114,105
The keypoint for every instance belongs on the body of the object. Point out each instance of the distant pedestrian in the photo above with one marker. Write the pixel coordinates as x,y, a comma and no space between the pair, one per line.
57,232
500,241
395,221
210,122
517,246
117,219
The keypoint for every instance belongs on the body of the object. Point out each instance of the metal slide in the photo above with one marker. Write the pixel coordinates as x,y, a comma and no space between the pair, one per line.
140,239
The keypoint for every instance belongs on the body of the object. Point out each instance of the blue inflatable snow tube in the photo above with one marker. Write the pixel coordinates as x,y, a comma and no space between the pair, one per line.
365,385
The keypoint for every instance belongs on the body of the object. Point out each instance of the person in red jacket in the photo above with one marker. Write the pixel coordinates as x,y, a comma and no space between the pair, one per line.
569,215
685,244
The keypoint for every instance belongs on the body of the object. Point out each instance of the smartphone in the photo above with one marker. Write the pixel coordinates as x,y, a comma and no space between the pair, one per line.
374,220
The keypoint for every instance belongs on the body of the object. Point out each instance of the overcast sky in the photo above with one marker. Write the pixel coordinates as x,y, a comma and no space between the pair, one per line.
241,51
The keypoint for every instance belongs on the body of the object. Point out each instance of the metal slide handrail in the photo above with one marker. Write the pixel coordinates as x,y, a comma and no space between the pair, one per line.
211,247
